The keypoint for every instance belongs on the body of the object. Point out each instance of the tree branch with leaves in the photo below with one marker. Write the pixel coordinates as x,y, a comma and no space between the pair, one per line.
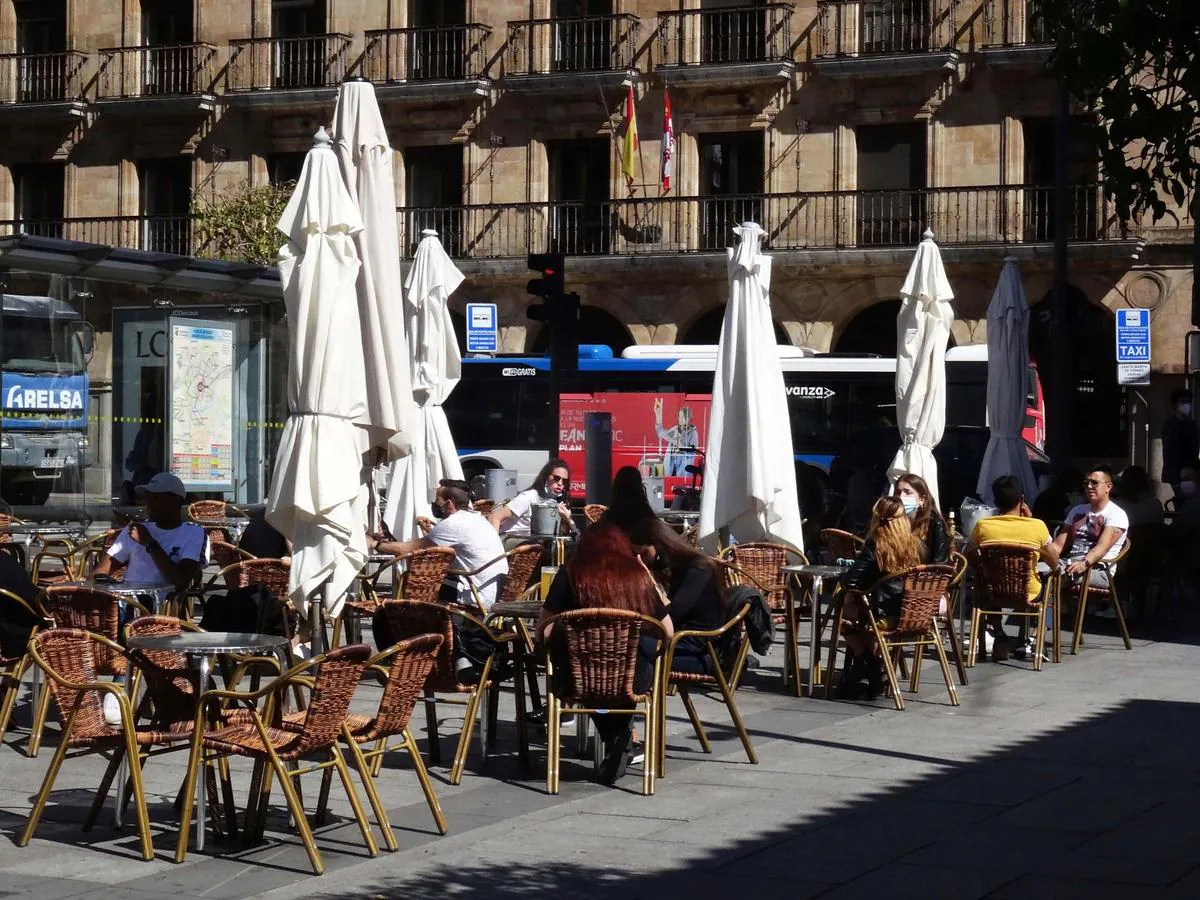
239,224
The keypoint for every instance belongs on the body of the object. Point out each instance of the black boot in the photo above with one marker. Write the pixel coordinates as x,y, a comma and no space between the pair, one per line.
875,677
850,685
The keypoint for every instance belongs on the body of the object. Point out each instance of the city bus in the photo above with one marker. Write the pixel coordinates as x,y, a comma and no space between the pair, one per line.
842,410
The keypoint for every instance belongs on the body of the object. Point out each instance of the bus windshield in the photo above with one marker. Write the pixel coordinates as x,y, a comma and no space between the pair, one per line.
42,344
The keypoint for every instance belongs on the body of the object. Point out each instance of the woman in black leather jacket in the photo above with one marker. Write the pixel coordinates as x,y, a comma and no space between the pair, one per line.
927,523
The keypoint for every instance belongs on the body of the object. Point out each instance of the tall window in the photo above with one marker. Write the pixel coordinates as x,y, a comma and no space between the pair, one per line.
895,26
437,49
166,189
583,39
299,54
42,70
731,180
434,194
733,31
891,182
40,198
168,64
284,168
579,192
1041,151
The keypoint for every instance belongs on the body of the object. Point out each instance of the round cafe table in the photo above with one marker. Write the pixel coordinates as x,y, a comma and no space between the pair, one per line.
130,590
815,575
200,647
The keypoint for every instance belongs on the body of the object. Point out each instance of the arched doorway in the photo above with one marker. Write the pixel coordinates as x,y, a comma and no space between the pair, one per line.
1097,419
873,330
707,329
596,326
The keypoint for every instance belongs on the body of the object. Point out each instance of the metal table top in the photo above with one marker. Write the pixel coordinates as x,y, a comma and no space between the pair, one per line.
208,642
816,571
126,588
47,528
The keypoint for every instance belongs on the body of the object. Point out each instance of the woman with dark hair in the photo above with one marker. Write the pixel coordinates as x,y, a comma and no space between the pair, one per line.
692,582
927,523
605,573
628,503
553,483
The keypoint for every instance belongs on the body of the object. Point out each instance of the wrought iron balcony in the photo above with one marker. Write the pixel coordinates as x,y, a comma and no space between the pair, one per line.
288,63
828,220
42,77
179,70
1009,23
442,53
729,35
885,27
574,44
159,234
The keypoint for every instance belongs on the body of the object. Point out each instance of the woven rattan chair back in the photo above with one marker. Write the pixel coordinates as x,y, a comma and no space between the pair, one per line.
333,689
424,572
270,574
765,562
601,647
1004,574
408,671
410,619
225,554
72,606
71,654
168,674
522,564
593,511
206,510
840,544
924,588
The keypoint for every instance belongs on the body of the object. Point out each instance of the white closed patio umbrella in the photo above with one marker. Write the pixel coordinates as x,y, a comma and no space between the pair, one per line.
316,498
1008,365
437,368
750,471
365,155
922,333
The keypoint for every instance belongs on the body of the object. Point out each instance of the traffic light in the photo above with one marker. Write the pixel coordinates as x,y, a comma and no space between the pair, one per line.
559,313
551,267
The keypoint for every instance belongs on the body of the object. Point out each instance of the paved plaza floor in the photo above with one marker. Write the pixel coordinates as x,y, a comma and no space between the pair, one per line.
1081,781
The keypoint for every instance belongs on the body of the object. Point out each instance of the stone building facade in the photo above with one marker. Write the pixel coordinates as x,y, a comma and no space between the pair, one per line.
845,127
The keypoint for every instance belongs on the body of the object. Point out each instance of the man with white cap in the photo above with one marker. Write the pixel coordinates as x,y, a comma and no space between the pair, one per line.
165,550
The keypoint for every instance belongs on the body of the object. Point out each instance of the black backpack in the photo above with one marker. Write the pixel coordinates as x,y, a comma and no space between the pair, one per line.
760,628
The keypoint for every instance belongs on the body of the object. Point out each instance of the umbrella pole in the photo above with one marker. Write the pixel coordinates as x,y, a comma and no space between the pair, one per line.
316,621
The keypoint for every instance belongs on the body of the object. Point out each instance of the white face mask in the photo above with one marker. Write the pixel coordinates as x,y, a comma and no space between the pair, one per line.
1185,409
1187,488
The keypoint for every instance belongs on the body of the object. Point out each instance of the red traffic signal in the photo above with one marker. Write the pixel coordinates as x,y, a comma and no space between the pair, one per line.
551,283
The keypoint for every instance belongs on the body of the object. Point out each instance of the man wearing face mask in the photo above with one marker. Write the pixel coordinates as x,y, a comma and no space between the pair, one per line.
471,537
1180,438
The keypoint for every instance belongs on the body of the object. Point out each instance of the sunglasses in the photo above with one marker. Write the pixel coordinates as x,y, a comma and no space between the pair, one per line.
555,478
1093,482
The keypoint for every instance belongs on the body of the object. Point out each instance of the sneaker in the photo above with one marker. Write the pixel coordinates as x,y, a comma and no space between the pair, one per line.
1026,651
112,709
1002,648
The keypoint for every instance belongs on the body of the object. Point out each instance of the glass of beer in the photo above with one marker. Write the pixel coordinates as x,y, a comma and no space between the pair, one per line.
548,573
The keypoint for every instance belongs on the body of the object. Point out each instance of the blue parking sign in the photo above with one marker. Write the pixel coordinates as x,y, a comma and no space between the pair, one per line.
1133,346
483,331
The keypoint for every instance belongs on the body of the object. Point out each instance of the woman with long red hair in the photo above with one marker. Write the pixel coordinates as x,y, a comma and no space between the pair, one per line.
606,573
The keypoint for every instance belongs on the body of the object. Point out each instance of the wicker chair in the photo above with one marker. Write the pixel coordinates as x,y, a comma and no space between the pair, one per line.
600,655
840,544
72,660
1004,574
1084,592
336,678
522,563
593,511
206,511
764,562
225,554
74,607
412,618
953,598
415,576
50,567
87,555
916,626
12,668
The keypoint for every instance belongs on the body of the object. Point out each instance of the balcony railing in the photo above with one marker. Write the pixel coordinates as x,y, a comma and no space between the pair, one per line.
288,63
740,34
159,234
574,44
443,53
873,27
173,71
826,220
1010,23
42,77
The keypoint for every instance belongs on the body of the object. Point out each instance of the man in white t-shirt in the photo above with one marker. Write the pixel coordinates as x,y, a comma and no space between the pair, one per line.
1095,530
471,537
165,550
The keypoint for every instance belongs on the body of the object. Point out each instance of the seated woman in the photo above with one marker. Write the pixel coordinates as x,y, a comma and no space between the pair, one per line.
16,624
605,573
692,583
628,503
890,548
513,519
927,523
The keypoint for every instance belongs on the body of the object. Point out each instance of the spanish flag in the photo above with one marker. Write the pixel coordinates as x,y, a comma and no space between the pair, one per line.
629,144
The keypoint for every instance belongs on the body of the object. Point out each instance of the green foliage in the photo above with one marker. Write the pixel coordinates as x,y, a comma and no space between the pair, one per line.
239,224
1133,63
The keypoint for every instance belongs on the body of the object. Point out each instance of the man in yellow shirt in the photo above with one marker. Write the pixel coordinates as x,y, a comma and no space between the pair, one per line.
1014,524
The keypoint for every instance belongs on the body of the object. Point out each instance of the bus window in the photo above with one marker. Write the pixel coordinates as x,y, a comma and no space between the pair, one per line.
502,413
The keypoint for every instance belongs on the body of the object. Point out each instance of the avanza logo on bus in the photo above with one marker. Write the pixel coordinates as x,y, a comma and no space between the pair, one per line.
19,397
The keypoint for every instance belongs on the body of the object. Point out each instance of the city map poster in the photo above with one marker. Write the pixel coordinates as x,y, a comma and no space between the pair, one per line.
200,373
